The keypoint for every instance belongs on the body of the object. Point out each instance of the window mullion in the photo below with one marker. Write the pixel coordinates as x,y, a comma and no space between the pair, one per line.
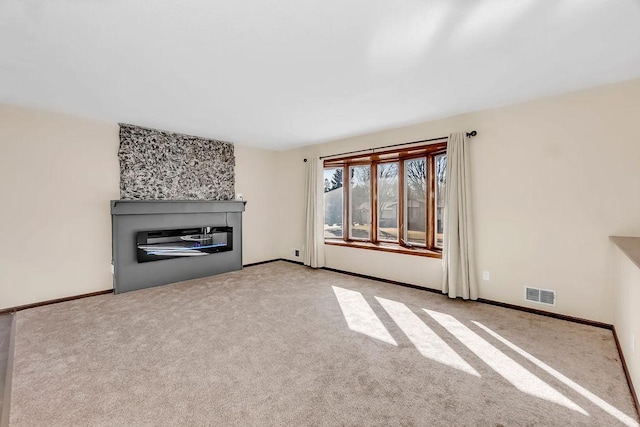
430,199
345,205
401,208
374,202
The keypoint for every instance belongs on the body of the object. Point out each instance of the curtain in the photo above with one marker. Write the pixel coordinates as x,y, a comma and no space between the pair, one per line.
459,278
314,214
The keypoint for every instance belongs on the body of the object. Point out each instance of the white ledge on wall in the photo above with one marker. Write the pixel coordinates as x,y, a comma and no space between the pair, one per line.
630,246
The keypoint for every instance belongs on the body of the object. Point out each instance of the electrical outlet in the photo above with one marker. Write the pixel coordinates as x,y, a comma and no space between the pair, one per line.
113,270
295,253
486,276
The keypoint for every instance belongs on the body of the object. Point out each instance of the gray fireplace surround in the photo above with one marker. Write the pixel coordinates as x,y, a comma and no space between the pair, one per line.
128,217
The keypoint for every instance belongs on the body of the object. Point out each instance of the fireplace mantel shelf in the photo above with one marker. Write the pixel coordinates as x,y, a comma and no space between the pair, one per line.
146,207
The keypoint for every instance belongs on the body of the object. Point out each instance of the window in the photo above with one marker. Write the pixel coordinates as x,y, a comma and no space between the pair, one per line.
441,179
415,201
360,202
388,192
392,200
333,202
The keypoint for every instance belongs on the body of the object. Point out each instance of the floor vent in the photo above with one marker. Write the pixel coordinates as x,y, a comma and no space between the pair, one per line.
542,296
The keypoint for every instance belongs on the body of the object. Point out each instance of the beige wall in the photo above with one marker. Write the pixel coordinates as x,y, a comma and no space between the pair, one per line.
552,179
627,312
256,180
57,175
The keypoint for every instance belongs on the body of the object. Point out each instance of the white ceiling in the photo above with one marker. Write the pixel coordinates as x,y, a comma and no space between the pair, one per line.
285,73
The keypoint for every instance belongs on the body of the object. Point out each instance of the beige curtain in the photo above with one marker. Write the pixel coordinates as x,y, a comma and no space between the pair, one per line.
459,278
314,214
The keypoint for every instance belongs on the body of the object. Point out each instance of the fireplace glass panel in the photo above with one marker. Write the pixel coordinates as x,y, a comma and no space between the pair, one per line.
155,245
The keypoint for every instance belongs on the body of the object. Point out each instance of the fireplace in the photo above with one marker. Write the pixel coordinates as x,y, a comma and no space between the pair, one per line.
155,242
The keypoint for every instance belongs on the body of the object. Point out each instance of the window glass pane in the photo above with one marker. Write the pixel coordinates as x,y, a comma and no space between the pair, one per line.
360,202
333,200
415,201
388,202
441,181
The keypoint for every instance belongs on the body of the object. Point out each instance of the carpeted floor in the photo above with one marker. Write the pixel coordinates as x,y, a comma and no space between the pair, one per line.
281,344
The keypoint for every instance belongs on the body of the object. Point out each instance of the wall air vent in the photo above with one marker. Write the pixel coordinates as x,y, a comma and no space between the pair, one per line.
542,296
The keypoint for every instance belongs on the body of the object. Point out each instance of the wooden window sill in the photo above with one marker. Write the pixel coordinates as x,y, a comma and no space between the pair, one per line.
386,247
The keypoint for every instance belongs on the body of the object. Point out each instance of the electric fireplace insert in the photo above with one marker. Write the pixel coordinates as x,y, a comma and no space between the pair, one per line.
157,245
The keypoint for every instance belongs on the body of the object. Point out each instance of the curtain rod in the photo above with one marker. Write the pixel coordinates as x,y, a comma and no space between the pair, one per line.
469,135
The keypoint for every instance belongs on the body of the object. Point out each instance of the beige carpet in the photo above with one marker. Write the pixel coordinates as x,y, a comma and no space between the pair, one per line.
281,344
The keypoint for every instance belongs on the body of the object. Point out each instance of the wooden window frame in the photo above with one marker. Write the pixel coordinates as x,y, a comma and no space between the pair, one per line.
429,151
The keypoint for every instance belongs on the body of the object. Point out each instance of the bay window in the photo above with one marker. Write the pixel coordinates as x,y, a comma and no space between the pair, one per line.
392,200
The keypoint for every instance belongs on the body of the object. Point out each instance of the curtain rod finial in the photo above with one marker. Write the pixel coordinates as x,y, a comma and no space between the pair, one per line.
472,133
305,160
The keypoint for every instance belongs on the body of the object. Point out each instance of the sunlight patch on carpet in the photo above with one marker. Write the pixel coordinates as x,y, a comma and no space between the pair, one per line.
428,343
506,367
360,316
611,410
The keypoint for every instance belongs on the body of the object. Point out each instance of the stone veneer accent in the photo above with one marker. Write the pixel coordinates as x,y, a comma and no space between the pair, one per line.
159,165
